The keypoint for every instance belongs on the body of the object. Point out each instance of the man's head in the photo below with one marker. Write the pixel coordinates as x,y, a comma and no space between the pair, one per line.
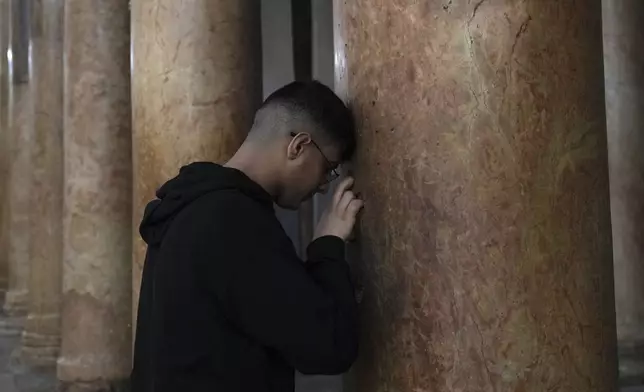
303,131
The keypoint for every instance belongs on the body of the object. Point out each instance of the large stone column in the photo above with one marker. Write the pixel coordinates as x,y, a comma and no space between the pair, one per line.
196,82
41,337
486,238
21,138
96,330
624,70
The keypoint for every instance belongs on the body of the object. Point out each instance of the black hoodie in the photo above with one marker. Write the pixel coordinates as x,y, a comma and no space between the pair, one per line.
226,305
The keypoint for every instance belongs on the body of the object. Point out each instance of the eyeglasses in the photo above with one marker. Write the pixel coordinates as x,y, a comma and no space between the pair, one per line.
332,173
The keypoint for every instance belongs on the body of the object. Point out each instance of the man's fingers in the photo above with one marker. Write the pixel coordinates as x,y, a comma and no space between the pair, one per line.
343,186
347,197
355,206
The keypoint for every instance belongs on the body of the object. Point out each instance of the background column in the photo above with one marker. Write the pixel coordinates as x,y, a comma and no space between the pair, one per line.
624,70
486,238
96,330
4,148
196,82
21,138
41,337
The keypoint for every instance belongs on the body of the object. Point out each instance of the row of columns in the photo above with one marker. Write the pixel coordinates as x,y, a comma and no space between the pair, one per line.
486,245
67,172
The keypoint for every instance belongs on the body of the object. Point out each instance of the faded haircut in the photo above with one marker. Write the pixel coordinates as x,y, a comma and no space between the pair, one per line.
309,103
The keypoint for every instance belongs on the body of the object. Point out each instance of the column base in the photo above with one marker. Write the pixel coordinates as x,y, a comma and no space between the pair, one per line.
15,303
94,386
39,350
40,340
11,326
631,365
84,373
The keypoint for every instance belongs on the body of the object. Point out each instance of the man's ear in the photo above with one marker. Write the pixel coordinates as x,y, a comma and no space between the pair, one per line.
296,147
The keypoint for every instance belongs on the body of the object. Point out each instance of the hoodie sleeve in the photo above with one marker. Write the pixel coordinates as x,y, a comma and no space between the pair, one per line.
306,312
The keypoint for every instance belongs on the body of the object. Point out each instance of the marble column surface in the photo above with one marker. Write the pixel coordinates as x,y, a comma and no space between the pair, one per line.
19,191
4,148
624,70
96,317
41,336
486,238
20,129
196,82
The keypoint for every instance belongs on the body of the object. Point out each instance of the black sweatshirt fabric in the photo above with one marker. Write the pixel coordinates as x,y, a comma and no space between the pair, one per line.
226,305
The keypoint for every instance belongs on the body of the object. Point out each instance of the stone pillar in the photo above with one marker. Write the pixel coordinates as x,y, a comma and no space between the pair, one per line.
196,82
96,324
41,337
4,148
20,129
486,237
624,70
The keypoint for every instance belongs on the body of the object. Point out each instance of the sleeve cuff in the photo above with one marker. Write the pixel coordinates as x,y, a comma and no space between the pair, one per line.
326,248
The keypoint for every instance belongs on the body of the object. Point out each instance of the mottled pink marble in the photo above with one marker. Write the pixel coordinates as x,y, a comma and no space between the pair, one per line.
485,240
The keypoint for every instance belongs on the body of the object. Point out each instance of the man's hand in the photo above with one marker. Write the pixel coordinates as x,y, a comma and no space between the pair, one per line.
340,217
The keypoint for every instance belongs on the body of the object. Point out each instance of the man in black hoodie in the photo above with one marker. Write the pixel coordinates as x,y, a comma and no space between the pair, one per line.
226,305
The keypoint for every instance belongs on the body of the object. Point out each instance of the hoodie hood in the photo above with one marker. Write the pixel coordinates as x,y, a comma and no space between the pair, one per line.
194,181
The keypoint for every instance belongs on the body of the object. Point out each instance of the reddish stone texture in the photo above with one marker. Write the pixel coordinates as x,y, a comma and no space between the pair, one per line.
486,239
196,82
624,69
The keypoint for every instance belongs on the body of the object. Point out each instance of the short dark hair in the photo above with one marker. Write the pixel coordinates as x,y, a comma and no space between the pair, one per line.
321,106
